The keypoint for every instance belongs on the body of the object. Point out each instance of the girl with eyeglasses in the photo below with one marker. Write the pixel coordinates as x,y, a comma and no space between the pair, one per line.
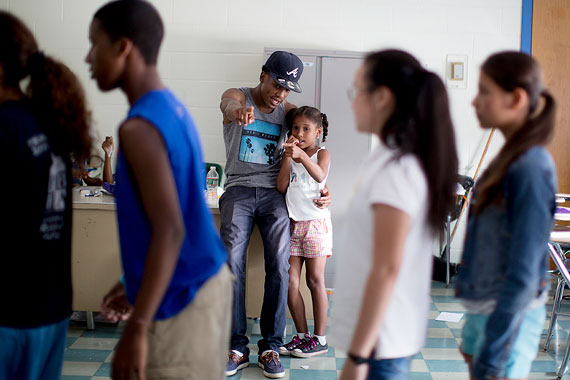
401,200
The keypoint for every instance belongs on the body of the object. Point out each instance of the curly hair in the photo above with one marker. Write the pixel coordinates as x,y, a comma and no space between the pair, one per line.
311,113
54,91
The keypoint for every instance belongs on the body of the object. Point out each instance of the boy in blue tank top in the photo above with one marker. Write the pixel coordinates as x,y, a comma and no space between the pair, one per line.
177,286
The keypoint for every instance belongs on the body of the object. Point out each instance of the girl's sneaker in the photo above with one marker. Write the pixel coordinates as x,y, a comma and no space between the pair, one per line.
287,348
310,347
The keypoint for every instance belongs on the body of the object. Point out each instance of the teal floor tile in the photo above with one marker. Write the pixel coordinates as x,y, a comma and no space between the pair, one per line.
306,374
253,359
253,339
558,332
104,370
443,299
330,354
103,332
457,332
446,366
69,341
441,343
544,366
74,355
419,376
564,324
285,361
433,324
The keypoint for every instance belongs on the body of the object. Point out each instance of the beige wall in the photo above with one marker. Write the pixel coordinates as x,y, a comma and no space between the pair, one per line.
217,44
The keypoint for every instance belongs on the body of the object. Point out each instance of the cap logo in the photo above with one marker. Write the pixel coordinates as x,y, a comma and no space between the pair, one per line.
294,72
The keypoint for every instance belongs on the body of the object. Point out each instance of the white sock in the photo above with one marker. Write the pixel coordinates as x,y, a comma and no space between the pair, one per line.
237,353
322,339
301,335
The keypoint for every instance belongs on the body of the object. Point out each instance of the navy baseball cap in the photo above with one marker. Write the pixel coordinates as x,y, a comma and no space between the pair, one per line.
285,68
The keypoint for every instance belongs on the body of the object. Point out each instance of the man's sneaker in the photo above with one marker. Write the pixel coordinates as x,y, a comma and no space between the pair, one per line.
309,348
235,363
287,348
271,365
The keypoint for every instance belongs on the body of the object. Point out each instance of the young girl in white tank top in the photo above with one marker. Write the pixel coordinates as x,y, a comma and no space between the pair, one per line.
304,170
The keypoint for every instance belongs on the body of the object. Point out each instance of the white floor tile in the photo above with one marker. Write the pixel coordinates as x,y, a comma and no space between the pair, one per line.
439,333
446,292
449,306
418,365
450,375
313,363
441,354
95,343
253,372
110,357
80,368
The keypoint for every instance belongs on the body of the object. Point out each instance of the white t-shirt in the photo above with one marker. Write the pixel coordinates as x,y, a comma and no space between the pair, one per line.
302,190
402,184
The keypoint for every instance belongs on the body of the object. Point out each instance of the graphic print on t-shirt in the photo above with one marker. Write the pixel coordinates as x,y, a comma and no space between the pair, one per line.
53,221
259,142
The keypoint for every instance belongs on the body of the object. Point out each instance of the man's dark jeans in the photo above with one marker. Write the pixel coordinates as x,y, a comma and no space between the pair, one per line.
241,208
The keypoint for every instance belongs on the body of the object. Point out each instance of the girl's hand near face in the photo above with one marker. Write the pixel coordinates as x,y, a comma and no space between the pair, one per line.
292,140
297,153
291,148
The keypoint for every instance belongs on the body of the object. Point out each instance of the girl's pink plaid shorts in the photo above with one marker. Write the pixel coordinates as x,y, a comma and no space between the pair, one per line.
311,238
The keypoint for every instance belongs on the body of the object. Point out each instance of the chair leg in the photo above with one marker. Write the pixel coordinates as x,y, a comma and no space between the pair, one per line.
554,312
564,363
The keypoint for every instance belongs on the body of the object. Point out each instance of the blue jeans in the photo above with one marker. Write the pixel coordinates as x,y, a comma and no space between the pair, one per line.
34,353
390,369
241,208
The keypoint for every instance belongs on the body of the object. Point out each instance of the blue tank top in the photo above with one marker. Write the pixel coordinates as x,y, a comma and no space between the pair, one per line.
202,252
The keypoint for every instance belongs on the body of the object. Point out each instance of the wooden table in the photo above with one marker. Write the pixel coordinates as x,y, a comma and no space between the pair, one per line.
97,265
96,262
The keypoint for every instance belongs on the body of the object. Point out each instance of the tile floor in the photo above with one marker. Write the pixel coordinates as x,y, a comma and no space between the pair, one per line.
89,353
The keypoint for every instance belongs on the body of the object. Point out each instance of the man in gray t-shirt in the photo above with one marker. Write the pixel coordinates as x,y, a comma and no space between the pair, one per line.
254,130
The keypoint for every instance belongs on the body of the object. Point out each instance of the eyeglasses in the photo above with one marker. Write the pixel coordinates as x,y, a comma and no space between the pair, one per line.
353,92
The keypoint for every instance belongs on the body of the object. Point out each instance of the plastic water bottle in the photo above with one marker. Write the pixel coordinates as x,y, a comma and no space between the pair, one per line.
212,179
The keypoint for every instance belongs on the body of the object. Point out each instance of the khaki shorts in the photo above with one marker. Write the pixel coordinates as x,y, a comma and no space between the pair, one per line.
194,343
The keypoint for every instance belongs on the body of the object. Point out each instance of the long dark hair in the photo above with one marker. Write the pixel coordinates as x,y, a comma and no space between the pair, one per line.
511,70
420,125
53,90
311,113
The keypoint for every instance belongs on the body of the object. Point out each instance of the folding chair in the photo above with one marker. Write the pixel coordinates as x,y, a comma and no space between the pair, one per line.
559,236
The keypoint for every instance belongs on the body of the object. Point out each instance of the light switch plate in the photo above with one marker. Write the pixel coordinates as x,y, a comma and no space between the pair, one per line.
456,71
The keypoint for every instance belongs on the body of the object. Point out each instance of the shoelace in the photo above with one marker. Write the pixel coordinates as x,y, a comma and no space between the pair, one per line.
235,357
309,344
293,343
271,356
